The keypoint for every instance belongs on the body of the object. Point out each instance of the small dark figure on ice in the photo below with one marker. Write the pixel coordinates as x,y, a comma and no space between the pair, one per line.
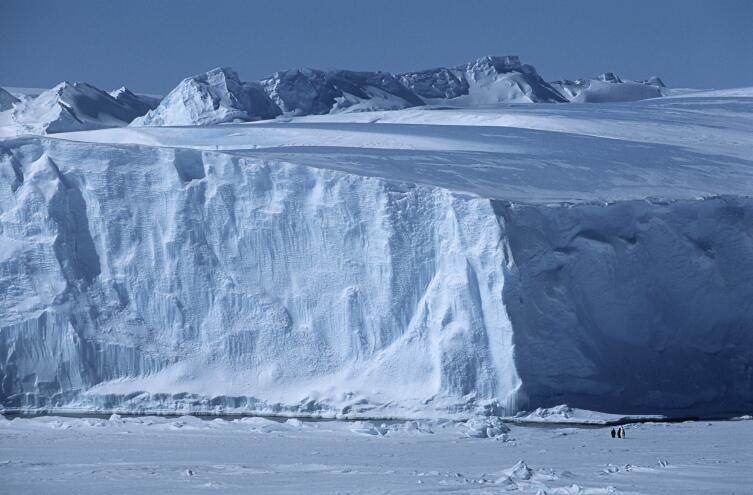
613,433
619,432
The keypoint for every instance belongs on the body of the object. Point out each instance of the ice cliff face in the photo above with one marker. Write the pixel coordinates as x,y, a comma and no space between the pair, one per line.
609,87
160,278
211,98
177,272
638,303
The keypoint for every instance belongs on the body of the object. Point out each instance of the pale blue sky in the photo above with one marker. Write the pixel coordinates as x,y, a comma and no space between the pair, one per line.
151,45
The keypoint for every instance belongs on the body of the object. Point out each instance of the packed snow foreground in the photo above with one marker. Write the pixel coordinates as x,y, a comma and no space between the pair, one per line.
430,261
148,454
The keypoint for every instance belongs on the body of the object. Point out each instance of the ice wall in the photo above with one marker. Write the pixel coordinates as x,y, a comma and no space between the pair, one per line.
265,286
634,307
153,278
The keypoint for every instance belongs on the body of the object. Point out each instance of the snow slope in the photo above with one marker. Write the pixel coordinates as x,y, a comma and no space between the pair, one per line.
447,262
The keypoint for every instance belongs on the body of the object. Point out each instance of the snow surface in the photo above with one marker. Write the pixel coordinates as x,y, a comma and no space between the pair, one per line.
137,455
415,263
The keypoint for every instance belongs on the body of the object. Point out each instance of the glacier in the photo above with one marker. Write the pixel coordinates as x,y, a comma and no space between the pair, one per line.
418,262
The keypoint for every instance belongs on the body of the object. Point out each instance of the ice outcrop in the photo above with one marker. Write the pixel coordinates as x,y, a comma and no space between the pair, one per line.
7,100
214,97
609,87
311,91
149,278
71,107
491,79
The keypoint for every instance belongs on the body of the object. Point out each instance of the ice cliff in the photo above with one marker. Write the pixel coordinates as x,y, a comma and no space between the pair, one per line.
156,278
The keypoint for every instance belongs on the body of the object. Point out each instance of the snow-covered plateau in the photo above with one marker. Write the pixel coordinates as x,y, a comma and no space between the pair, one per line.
424,262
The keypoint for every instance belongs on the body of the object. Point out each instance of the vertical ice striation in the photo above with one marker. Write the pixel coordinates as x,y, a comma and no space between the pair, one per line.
129,269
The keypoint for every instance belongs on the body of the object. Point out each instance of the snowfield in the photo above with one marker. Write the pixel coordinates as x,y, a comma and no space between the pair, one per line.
137,455
427,262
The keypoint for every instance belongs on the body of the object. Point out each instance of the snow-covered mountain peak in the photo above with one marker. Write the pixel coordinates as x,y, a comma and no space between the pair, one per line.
496,63
213,97
71,107
314,91
487,80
